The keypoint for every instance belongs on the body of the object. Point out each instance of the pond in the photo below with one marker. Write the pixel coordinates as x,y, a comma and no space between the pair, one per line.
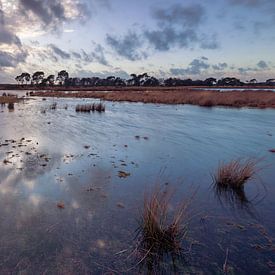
72,186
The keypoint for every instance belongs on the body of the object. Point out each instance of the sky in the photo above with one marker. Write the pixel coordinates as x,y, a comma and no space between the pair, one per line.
177,38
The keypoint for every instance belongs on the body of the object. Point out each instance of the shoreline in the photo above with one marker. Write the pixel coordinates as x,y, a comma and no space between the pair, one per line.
206,98
11,87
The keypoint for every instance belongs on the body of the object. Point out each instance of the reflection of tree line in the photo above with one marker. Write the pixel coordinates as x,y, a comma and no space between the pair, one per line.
63,79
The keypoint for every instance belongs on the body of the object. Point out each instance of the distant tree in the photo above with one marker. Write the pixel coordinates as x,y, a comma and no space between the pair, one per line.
210,81
38,77
27,77
133,81
230,81
19,79
62,77
253,81
50,80
270,81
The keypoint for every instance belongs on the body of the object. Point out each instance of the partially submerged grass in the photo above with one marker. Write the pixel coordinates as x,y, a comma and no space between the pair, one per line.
235,173
11,106
161,229
98,107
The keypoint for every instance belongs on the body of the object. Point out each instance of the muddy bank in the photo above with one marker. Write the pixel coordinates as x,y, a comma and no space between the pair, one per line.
249,98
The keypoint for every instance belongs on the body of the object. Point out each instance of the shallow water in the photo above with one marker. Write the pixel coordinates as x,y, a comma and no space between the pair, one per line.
73,159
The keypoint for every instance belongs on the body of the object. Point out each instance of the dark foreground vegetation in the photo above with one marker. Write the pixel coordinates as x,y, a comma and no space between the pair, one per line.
161,231
256,99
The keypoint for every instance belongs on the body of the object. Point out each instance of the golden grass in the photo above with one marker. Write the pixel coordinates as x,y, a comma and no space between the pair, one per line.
235,173
161,229
249,98
9,99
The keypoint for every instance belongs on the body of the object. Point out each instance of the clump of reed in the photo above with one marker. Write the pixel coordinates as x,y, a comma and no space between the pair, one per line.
98,107
53,106
11,106
235,173
161,230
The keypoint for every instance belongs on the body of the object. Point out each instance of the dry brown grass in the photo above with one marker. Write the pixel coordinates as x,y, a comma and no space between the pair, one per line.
9,99
161,229
249,98
98,107
235,173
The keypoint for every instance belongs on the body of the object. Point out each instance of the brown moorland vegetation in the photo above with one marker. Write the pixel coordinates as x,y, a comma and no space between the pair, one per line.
9,99
248,98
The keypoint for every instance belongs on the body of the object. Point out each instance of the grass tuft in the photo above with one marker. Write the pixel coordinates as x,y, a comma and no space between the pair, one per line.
98,107
161,229
235,173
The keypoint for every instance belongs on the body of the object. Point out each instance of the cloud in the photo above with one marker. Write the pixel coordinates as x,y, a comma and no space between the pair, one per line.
12,53
127,46
165,39
246,70
47,11
177,14
195,68
262,64
12,59
99,55
178,26
47,15
60,53
220,66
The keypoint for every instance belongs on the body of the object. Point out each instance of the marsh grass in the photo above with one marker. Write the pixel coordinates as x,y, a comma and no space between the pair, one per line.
11,106
235,173
161,228
98,107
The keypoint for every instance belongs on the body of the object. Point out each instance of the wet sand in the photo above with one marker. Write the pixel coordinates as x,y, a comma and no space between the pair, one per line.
249,98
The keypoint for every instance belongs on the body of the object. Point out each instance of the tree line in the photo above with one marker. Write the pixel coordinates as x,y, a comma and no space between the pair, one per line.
63,79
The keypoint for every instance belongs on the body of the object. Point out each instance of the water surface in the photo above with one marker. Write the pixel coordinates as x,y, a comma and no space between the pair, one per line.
73,159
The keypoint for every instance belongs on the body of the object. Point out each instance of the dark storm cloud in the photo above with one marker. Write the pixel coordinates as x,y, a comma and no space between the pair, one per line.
195,68
127,46
220,66
60,53
262,64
